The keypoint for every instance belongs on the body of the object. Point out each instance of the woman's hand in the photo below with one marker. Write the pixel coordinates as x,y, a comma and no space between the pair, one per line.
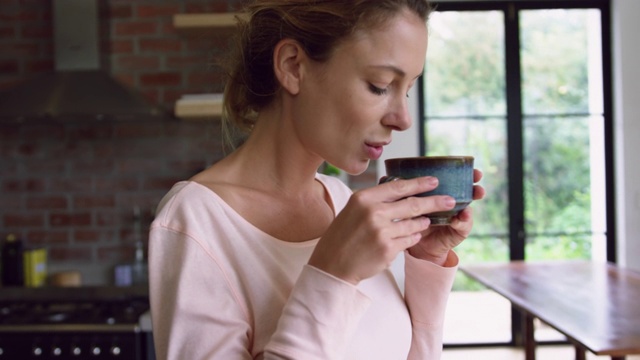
378,223
437,241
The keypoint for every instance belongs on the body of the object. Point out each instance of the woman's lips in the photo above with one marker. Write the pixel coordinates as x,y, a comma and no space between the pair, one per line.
374,151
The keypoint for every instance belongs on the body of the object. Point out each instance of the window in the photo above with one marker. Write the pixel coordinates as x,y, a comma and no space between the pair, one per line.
524,86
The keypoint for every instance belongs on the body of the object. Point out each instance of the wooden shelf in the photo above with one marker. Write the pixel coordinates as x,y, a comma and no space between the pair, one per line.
197,24
202,106
199,107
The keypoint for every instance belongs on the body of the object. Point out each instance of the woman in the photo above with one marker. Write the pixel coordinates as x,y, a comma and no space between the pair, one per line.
261,257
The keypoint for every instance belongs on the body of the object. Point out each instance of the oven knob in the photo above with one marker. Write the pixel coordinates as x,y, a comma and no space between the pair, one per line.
56,351
115,350
96,351
76,350
37,351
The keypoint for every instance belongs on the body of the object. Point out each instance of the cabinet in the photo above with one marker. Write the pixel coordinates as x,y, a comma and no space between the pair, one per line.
202,106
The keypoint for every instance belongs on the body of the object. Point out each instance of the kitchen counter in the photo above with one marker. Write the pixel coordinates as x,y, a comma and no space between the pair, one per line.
82,293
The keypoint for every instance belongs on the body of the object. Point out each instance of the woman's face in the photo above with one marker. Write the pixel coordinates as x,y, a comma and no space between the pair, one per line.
348,107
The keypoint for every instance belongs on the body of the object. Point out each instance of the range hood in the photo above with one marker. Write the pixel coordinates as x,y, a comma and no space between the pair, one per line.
79,88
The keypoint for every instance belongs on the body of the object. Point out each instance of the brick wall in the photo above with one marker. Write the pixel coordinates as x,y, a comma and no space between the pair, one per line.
71,186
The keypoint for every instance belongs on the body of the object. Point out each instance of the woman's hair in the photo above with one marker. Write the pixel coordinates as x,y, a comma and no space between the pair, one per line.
318,25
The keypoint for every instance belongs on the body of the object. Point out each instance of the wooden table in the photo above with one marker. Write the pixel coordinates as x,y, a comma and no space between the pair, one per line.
595,305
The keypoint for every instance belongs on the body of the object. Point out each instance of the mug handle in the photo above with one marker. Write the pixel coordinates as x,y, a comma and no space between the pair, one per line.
386,179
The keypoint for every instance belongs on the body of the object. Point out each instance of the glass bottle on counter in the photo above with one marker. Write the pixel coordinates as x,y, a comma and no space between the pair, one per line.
12,262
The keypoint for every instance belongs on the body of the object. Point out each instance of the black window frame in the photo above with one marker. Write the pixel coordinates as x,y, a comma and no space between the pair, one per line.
517,236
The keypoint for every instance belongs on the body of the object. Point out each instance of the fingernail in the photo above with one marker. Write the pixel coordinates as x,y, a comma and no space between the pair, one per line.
432,180
450,202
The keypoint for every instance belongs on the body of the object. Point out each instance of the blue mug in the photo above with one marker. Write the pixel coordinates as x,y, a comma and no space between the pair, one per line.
455,178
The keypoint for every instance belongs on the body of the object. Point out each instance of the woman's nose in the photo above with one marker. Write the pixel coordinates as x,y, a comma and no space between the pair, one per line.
398,118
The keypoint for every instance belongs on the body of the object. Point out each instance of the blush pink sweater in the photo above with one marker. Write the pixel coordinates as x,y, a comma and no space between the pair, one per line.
223,289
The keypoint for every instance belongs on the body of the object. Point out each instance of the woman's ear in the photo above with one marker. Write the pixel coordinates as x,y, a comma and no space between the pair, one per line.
287,58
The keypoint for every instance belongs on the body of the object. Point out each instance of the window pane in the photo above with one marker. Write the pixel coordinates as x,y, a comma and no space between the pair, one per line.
489,240
486,140
559,49
465,75
465,108
563,152
562,183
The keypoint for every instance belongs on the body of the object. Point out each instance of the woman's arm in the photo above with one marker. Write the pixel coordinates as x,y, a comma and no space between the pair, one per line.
195,313
427,288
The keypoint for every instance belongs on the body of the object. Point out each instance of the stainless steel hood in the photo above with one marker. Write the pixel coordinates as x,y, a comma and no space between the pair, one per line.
79,88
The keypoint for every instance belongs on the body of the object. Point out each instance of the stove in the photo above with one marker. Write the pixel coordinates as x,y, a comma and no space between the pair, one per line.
81,323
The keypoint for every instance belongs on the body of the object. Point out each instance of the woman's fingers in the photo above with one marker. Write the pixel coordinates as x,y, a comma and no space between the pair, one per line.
415,206
477,175
402,188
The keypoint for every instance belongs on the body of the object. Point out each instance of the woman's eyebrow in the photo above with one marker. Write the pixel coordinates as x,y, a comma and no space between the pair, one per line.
394,69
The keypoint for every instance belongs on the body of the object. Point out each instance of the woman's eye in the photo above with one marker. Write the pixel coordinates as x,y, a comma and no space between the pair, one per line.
376,90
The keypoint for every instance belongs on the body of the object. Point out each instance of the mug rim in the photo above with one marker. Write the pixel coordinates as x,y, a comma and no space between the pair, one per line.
438,157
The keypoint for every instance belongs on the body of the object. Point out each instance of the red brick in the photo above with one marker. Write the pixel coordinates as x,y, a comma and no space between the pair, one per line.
12,201
137,62
159,183
184,62
9,82
7,32
9,67
42,237
94,201
118,253
19,50
45,131
120,11
91,131
151,95
136,28
68,254
170,96
88,236
161,79
160,45
207,78
70,219
156,11
92,166
37,32
80,182
24,185
39,66
126,79
167,29
37,166
21,15
104,149
46,202
199,45
137,165
119,184
139,130
122,46
206,7
23,220
106,218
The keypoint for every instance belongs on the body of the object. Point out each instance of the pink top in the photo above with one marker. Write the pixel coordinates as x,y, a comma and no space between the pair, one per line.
223,289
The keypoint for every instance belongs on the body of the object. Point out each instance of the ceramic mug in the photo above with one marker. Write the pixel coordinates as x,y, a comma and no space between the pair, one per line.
455,178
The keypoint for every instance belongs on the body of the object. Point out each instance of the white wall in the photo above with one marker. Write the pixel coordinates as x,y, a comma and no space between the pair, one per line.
626,64
626,95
